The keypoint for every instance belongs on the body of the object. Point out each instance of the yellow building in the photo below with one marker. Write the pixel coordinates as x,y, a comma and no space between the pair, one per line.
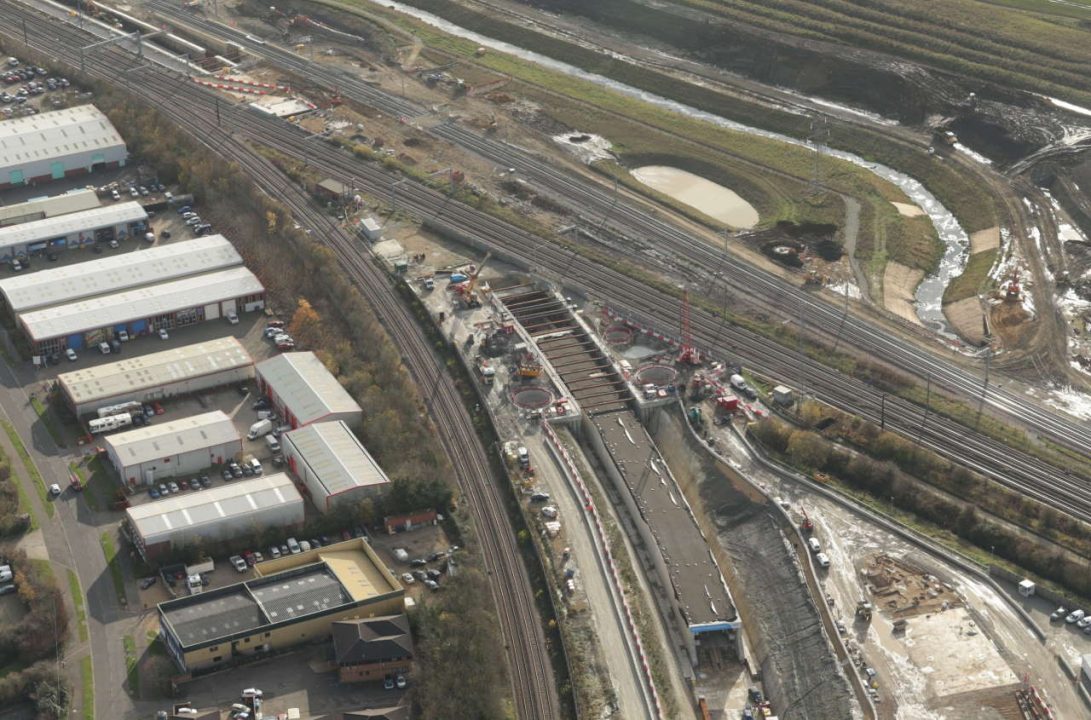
294,600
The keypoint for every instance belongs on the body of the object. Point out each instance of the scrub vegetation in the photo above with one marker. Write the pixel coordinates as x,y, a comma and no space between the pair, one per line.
894,470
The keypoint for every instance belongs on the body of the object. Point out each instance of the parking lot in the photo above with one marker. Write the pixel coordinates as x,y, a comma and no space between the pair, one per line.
304,679
422,545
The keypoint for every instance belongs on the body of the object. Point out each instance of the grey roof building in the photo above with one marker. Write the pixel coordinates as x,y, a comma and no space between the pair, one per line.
333,464
372,640
58,144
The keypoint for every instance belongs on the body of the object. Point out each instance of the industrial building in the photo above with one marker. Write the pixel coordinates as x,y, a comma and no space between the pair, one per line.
124,271
186,446
72,230
294,601
371,648
143,310
303,391
58,144
47,207
333,464
217,514
178,371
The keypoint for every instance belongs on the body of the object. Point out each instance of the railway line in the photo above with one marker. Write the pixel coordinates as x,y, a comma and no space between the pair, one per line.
531,673
633,220
1013,468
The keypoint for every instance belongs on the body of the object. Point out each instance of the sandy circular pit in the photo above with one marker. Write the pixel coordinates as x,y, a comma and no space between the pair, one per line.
658,375
714,200
532,398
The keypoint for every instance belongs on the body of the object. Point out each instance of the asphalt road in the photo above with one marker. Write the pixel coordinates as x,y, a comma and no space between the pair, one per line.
71,539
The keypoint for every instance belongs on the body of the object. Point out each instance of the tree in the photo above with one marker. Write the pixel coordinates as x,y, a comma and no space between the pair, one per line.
808,449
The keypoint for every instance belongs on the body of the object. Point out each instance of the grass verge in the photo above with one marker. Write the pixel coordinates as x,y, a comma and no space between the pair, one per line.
973,278
110,552
49,420
78,601
132,667
87,675
32,469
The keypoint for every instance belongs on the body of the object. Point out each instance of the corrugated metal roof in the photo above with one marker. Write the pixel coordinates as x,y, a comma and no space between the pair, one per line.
134,374
189,512
336,457
305,386
118,272
55,134
77,222
139,303
69,202
152,442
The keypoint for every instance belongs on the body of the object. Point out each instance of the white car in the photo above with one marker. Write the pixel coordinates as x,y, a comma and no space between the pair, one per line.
1083,622
115,194
104,348
123,335
407,578
232,317
54,490
251,693
1074,616
163,334
71,355
238,563
822,559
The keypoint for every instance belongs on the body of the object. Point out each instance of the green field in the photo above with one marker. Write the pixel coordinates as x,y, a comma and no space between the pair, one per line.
87,676
78,600
112,560
31,468
132,666
1007,47
973,278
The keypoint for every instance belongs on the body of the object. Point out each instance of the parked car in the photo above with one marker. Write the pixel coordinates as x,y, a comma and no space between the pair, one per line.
433,574
431,584
115,194
823,560
153,493
293,546
274,552
407,578
7,588
163,491
123,335
54,490
182,484
418,562
238,563
163,334
71,355
143,191
227,475
173,487
399,680
420,575
232,317
147,582
1074,616
205,482
114,244
1058,614
258,557
388,682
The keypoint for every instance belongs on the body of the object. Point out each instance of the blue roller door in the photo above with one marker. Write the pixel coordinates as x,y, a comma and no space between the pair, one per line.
121,328
75,341
138,326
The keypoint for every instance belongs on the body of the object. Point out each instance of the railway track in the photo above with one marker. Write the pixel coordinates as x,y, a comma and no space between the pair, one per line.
633,220
1013,468
531,673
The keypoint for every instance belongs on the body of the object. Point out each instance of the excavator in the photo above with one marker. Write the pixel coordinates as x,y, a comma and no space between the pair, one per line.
469,290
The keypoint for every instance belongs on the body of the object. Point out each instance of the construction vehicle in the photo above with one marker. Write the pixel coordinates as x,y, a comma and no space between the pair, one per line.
695,418
468,288
486,371
1013,291
806,525
864,609
688,354
528,366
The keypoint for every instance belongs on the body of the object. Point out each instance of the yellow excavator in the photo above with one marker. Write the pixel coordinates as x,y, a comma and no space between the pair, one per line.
469,292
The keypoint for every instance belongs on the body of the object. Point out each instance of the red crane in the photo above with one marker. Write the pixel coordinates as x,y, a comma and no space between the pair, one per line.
688,355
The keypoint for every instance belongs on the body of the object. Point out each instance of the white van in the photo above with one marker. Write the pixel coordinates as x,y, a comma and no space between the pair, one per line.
815,546
823,561
273,443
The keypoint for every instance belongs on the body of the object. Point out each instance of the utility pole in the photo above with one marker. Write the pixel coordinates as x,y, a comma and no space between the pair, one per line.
393,200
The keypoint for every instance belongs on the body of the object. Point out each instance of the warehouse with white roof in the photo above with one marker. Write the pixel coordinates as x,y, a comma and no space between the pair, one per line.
162,263
333,464
141,311
169,373
217,514
47,207
303,391
186,446
58,144
72,230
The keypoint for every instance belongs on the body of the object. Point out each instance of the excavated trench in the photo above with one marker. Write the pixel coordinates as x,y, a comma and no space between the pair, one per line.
798,668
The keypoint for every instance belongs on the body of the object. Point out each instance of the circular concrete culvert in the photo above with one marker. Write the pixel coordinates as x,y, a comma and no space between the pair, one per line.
532,398
659,375
618,336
